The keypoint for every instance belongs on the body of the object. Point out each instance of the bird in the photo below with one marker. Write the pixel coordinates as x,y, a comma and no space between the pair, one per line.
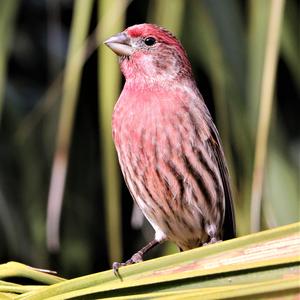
168,147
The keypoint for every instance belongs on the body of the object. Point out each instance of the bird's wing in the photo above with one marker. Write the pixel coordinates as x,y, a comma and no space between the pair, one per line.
229,230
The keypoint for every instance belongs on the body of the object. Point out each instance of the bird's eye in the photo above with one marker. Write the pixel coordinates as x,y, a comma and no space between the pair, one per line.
149,41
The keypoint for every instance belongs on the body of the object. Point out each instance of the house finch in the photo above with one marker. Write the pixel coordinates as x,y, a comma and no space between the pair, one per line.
168,147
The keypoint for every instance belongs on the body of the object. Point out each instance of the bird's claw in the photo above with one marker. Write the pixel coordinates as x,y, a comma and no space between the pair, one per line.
212,241
115,267
136,258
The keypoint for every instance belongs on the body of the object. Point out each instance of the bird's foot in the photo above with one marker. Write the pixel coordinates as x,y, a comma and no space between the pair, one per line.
213,240
136,258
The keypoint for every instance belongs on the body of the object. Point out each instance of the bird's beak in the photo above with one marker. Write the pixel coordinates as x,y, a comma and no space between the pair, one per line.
120,44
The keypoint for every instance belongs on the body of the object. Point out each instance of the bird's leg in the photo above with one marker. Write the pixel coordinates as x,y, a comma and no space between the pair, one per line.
137,257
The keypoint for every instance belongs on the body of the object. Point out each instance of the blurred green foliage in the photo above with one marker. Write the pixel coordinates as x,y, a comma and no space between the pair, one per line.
226,42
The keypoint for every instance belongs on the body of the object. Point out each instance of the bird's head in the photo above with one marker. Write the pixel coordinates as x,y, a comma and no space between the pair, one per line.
150,52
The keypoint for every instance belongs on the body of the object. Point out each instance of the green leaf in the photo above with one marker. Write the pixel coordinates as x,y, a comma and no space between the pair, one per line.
8,10
282,184
166,15
263,263
15,269
71,85
290,41
265,109
109,88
